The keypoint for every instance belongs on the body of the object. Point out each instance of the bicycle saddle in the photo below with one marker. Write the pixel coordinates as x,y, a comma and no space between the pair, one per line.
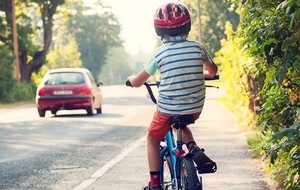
180,121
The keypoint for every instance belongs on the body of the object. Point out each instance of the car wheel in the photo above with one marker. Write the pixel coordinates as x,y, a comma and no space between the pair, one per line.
42,113
91,109
54,112
99,110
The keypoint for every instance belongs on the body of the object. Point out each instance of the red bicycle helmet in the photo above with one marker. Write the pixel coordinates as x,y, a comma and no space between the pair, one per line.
172,19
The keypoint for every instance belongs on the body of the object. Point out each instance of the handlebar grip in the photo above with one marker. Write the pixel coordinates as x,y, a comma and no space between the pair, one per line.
128,83
216,77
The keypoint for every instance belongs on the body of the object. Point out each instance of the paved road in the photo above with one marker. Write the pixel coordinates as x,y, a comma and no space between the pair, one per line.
215,131
108,151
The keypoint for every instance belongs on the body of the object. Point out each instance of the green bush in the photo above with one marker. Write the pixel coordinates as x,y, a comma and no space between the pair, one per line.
234,67
10,91
24,91
270,32
7,80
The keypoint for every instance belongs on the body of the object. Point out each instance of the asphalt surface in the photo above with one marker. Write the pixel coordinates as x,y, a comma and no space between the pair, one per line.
218,134
108,151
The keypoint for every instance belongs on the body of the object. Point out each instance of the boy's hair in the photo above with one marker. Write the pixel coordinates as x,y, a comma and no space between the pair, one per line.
172,19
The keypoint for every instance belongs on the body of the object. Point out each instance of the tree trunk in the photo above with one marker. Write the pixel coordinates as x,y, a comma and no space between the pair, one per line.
27,68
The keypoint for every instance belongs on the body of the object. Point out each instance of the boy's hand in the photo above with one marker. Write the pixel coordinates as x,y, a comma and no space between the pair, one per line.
130,78
207,75
139,80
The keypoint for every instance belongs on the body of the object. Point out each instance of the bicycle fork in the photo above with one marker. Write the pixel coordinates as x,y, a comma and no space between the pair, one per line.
176,152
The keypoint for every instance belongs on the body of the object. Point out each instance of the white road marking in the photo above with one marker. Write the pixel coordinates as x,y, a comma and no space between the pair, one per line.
101,171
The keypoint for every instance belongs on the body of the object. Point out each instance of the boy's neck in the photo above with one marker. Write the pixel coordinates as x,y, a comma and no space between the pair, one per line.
178,38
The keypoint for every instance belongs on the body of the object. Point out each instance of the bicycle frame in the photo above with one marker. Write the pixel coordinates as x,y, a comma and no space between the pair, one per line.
169,139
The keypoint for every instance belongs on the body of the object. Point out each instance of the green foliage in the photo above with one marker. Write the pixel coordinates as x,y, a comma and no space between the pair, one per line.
7,80
24,91
278,112
259,143
234,66
95,34
9,90
285,156
65,53
214,14
270,32
117,68
37,76
86,37
32,17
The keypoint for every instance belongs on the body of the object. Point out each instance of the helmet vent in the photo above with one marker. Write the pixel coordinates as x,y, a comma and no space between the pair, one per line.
169,10
160,14
179,11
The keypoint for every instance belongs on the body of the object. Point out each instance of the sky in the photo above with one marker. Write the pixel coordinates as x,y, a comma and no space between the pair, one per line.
136,18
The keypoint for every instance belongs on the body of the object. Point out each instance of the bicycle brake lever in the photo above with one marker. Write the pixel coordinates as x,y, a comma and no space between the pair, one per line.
211,86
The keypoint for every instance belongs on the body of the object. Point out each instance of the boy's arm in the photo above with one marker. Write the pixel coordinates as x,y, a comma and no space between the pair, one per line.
143,76
140,79
209,64
212,70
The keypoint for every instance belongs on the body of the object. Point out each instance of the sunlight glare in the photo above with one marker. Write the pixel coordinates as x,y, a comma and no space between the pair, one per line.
136,18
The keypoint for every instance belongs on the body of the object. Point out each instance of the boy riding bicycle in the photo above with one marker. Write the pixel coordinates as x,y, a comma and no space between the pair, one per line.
182,86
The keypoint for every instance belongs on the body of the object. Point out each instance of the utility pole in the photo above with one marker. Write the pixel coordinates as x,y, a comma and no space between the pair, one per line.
199,21
15,41
62,52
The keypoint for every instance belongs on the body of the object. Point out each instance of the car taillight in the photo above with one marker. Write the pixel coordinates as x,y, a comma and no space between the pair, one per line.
84,90
42,91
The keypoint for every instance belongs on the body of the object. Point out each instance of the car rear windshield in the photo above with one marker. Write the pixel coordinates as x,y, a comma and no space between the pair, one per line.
64,78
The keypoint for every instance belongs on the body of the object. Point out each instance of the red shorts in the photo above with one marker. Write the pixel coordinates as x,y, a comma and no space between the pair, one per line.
160,125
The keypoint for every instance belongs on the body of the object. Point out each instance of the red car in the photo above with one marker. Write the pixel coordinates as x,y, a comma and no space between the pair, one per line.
68,89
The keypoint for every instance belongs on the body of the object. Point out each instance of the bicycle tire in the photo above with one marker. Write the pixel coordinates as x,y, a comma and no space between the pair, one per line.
168,172
188,177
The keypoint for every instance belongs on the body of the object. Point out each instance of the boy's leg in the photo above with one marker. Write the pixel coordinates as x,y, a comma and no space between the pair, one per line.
188,139
154,160
187,135
156,132
153,152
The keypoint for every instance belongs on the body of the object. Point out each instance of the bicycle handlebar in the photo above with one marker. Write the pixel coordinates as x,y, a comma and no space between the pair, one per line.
216,77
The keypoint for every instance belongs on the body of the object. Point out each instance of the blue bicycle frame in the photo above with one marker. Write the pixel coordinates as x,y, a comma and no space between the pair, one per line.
170,145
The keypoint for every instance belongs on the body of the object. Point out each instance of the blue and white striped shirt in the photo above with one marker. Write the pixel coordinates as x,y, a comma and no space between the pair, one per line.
182,87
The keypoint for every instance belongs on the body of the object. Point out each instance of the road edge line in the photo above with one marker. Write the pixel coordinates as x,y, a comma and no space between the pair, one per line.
101,171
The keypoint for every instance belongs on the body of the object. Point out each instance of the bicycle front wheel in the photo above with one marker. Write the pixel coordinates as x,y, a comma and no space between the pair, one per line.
168,174
188,176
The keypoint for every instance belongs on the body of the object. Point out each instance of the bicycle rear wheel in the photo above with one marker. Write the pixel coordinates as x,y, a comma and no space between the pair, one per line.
168,172
188,176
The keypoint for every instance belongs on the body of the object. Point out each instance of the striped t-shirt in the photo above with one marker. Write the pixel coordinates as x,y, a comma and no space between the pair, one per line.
182,86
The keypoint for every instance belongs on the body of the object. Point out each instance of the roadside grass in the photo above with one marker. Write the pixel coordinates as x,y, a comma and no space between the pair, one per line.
14,104
256,142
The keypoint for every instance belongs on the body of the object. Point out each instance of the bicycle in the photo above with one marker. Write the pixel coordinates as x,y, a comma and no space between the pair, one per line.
178,171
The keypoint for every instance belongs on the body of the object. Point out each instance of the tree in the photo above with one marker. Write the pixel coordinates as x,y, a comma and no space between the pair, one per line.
214,13
117,68
31,56
65,51
95,32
